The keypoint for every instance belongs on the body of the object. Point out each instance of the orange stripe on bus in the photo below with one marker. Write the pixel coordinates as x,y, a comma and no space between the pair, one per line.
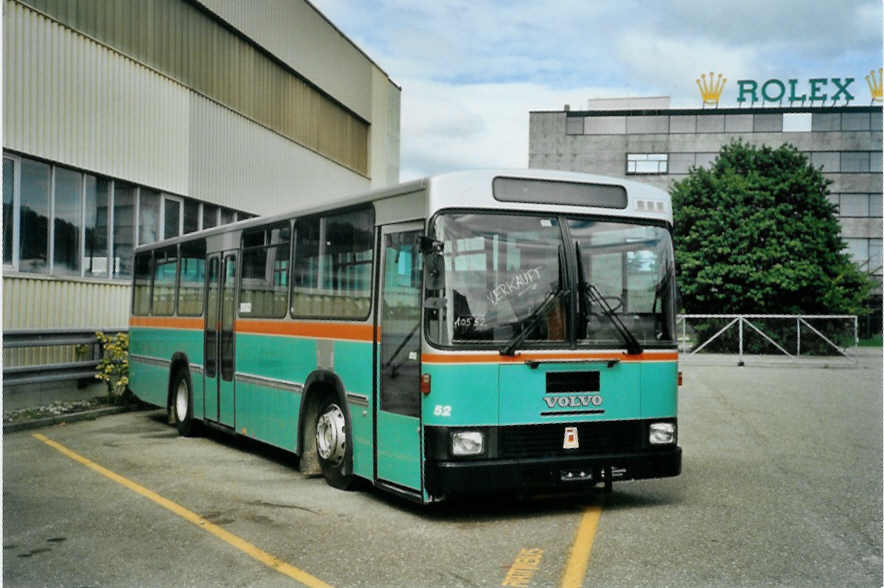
353,332
167,322
522,357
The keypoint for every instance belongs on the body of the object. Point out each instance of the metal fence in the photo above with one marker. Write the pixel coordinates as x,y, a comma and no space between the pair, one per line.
83,346
824,344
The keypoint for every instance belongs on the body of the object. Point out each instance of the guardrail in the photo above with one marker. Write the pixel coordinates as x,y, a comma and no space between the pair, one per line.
53,372
743,320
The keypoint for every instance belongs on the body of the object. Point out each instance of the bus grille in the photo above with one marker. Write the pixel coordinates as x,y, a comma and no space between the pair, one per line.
547,440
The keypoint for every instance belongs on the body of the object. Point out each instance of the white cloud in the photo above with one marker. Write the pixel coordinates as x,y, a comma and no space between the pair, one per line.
470,72
447,126
644,56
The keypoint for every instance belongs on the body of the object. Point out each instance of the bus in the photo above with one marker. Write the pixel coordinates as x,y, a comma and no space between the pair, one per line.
468,333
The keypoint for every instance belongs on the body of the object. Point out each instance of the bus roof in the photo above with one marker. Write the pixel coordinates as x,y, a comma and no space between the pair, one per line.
472,189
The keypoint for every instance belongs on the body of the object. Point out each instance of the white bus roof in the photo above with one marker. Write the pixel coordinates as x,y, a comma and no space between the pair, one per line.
473,190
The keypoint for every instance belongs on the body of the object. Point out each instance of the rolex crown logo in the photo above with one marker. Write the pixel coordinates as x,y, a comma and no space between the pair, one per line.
710,89
875,86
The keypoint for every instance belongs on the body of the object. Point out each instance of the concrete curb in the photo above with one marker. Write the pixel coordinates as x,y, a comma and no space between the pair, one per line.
86,415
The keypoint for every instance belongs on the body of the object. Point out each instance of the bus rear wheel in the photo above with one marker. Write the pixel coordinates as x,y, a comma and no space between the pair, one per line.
332,445
182,403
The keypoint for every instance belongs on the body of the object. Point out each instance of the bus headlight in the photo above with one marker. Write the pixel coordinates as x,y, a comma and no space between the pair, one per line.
661,433
467,443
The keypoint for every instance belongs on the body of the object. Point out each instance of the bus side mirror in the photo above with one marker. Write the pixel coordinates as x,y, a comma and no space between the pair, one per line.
428,245
434,271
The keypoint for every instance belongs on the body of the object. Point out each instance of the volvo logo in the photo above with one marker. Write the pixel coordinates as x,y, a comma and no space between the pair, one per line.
573,401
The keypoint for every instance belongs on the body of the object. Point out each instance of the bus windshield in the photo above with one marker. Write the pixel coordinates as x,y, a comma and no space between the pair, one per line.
498,272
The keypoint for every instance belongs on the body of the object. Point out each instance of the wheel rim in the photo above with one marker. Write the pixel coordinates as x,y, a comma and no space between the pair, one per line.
331,440
181,399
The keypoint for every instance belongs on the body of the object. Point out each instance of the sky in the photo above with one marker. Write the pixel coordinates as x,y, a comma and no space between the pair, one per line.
471,71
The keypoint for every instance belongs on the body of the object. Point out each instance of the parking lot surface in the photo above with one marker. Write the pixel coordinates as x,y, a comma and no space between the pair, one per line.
781,485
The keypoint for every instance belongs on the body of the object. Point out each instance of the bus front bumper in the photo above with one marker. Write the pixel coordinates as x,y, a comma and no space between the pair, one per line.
445,478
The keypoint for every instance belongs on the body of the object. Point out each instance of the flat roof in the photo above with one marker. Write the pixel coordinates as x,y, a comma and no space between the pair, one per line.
712,111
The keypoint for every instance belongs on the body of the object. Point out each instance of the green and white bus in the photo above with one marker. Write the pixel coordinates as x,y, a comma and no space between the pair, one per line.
467,333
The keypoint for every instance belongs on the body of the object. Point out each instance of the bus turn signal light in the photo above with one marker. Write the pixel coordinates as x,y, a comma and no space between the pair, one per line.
680,378
425,384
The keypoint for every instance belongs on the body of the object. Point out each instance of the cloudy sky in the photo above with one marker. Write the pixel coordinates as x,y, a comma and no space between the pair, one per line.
470,71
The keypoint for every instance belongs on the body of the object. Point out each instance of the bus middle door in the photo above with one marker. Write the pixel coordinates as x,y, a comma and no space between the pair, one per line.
219,339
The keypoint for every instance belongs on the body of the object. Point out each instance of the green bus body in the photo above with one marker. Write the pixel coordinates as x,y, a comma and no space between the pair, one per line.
554,413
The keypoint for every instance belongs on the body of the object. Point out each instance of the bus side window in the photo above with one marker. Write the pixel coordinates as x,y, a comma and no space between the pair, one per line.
265,268
332,265
164,277
141,291
193,277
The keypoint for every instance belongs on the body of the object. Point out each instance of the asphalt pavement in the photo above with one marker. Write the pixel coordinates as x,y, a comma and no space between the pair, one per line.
781,485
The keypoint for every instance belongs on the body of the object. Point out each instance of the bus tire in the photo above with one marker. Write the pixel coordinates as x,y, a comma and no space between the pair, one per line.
182,403
332,444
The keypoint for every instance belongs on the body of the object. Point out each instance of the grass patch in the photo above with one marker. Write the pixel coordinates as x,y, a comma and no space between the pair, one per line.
871,342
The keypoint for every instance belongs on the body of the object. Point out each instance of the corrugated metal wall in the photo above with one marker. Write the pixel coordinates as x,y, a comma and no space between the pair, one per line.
186,43
264,171
296,33
41,303
71,100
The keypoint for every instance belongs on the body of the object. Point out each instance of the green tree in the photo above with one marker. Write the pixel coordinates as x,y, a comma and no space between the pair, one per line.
756,234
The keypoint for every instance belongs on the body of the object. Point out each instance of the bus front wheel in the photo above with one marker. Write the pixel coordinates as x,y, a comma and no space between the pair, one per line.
332,444
182,403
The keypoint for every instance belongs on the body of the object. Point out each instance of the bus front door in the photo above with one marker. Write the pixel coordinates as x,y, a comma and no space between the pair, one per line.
219,339
398,442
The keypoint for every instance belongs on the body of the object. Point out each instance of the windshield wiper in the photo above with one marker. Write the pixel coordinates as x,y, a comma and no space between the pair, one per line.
539,312
532,320
587,289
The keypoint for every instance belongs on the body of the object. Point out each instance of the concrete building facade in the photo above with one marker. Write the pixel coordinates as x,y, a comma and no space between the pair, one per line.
659,146
125,122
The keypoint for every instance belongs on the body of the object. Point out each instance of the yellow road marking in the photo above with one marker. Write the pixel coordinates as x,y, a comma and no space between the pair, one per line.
523,569
241,544
578,560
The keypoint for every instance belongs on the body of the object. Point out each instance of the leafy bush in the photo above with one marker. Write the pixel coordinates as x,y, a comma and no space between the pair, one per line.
113,369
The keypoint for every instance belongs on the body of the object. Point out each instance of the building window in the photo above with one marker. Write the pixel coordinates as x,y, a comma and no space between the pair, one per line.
33,255
646,163
605,125
227,216
574,125
826,121
148,216
829,161
738,123
64,222
95,227
191,216
855,121
67,219
710,123
855,161
865,253
124,229
797,122
682,124
210,216
857,205
8,207
171,216
647,124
